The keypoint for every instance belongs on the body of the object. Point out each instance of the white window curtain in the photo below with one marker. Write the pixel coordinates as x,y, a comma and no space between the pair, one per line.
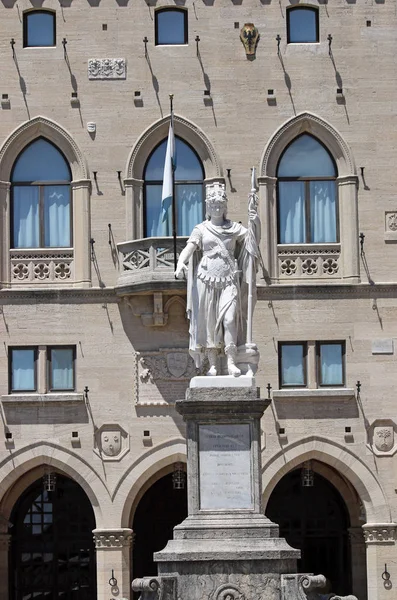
323,211
62,368
189,199
331,364
57,216
157,224
292,365
292,212
23,370
26,216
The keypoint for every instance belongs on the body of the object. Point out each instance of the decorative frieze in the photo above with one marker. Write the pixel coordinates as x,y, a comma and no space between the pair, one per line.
391,221
380,533
106,539
41,266
107,68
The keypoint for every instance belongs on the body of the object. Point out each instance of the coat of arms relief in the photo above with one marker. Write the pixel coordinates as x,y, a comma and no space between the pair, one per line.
383,437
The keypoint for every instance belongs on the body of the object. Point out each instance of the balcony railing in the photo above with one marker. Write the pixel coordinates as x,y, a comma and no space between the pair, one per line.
148,264
41,266
309,262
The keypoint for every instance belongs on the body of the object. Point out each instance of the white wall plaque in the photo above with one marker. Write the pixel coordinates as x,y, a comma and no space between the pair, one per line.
382,347
225,466
107,68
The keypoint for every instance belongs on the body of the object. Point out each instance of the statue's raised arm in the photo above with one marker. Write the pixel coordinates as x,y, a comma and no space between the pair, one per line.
220,260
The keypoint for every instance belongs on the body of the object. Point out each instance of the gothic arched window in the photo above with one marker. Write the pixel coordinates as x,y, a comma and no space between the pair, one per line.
189,192
41,205
307,194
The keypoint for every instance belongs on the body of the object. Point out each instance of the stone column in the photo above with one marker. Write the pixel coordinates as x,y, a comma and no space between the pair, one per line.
113,552
82,232
381,539
268,216
226,548
348,222
5,540
5,208
358,558
134,217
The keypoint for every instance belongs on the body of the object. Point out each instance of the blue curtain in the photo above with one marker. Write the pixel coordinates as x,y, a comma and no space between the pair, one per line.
292,365
323,211
62,369
189,208
189,199
57,216
331,364
26,217
292,212
23,370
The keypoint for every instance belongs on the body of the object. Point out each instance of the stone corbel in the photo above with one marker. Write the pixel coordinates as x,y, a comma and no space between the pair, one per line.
159,316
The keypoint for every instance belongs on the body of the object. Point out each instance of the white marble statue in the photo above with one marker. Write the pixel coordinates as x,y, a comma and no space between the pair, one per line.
220,261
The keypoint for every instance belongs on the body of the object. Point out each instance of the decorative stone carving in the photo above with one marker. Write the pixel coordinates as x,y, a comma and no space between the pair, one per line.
112,538
111,442
107,68
288,267
391,221
228,592
166,364
309,266
307,587
156,588
383,437
375,533
249,35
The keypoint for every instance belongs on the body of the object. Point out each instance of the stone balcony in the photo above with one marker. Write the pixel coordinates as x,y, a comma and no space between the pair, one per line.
147,265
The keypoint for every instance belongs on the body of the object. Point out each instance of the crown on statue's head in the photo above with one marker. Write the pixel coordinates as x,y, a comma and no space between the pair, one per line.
215,192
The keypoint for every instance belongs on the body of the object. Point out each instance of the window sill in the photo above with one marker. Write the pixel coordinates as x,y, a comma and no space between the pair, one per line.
27,398
317,393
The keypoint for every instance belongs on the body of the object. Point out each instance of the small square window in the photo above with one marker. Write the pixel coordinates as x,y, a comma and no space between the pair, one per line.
171,27
292,364
38,28
330,363
61,368
23,369
302,25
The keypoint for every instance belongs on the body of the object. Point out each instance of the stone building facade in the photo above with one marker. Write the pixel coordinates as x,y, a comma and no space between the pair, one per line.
97,94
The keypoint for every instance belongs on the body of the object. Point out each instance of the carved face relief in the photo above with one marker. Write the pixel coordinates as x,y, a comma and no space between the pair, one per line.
111,442
177,363
384,438
249,35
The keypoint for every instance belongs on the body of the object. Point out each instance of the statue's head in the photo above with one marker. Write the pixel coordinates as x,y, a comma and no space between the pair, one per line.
216,200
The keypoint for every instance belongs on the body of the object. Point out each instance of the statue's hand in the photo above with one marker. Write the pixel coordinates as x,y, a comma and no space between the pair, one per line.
181,271
252,208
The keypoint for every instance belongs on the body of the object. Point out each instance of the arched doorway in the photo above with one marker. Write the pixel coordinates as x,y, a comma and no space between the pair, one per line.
163,506
315,520
52,549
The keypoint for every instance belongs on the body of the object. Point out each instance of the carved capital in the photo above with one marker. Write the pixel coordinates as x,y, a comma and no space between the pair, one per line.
112,539
380,533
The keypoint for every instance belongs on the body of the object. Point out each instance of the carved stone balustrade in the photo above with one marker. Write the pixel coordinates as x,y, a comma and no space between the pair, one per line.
41,266
309,262
147,265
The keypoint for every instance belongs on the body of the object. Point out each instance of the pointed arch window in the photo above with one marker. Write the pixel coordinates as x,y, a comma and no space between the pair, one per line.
41,198
307,194
189,191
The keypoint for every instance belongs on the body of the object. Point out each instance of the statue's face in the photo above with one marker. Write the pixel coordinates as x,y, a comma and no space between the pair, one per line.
217,208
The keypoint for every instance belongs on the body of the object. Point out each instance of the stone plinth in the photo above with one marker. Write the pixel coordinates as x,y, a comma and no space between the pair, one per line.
226,549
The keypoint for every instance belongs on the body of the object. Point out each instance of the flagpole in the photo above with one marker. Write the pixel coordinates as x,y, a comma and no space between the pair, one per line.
173,191
250,274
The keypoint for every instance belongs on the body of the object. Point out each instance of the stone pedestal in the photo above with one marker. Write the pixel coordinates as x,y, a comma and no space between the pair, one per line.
226,549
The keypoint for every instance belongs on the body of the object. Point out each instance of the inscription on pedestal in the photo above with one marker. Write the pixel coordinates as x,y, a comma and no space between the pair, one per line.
225,467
